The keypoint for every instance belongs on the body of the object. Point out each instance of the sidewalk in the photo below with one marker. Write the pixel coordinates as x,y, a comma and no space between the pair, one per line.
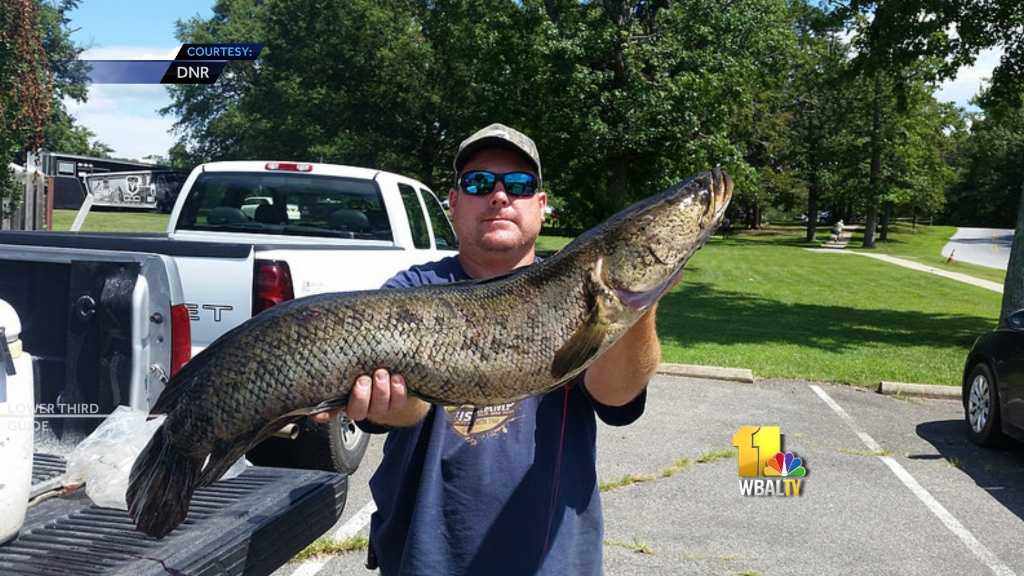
986,284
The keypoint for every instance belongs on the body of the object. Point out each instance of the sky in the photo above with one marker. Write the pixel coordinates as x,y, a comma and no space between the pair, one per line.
125,117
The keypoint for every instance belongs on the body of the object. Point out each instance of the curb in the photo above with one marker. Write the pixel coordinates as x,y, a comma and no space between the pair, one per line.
713,372
922,390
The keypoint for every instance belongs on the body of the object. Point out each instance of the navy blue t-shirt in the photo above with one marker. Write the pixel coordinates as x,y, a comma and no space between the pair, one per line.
484,491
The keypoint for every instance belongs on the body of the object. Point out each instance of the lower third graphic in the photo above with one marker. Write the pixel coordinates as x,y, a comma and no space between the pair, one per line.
764,469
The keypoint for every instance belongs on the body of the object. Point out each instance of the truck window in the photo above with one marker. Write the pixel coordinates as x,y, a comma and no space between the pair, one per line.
286,203
417,219
444,236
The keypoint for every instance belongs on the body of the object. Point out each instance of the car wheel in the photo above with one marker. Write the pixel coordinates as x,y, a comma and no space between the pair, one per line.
981,408
337,446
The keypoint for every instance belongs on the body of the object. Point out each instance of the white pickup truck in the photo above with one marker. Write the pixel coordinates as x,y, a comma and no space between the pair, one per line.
244,236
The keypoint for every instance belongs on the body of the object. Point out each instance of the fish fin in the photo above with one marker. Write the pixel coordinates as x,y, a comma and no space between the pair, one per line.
221,459
328,405
224,455
581,348
161,484
584,345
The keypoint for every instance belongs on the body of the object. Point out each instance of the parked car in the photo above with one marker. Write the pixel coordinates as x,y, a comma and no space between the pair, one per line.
824,216
993,384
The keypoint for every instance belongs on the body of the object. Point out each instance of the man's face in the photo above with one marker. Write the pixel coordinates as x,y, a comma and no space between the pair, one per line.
497,221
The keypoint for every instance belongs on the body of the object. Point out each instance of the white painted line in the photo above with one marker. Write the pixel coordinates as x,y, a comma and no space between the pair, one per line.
357,522
954,525
350,528
311,567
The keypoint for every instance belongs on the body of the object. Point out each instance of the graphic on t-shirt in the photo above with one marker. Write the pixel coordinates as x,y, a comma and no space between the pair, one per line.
472,422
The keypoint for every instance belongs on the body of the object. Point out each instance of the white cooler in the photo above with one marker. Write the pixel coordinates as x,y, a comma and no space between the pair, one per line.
16,424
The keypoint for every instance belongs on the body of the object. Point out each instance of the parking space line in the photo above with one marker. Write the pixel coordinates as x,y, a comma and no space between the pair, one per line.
977,548
350,528
356,522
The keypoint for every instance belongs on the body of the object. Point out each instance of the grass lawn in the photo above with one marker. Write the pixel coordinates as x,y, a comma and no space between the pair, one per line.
112,221
760,301
547,244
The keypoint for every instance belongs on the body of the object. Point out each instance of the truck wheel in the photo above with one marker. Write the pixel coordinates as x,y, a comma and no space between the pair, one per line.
338,446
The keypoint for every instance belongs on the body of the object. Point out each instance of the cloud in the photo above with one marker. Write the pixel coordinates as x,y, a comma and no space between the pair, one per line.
131,136
126,118
969,79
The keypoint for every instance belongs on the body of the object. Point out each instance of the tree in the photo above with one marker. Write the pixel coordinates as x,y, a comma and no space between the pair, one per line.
38,69
991,173
818,96
622,97
1013,286
641,94
25,87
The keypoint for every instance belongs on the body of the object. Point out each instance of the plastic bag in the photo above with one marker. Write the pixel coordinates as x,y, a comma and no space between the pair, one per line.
103,461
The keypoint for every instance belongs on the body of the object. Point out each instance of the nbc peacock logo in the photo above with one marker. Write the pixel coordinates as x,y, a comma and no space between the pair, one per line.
764,468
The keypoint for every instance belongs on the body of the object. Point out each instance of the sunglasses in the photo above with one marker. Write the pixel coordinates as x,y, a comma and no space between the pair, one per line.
482,183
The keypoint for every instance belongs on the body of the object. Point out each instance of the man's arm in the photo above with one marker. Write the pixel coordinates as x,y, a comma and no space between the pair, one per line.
622,372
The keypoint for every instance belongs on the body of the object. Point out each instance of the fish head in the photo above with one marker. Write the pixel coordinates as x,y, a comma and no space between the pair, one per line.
647,244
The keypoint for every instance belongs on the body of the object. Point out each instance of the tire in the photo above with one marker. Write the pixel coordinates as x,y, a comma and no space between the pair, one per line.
336,447
981,407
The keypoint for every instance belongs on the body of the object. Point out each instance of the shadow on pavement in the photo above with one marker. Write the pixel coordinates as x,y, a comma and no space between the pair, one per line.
996,470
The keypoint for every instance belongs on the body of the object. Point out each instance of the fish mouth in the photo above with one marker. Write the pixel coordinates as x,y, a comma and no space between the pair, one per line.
718,194
641,301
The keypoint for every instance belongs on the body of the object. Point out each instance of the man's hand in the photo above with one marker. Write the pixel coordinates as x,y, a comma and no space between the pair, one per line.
382,399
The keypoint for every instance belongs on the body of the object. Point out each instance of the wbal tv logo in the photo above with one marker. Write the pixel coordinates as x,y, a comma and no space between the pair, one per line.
764,469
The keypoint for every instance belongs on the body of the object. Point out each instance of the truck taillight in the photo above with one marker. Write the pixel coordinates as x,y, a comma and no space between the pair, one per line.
272,284
289,166
181,337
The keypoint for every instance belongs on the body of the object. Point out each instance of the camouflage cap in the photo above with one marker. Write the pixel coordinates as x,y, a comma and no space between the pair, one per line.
499,136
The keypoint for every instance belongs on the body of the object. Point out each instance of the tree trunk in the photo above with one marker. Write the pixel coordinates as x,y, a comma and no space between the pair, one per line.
870,223
886,215
812,208
876,165
1013,286
915,220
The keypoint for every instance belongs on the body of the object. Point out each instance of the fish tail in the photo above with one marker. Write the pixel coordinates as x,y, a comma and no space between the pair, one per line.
161,485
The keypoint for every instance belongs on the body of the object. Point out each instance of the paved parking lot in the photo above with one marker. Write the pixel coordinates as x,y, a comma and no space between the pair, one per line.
893,487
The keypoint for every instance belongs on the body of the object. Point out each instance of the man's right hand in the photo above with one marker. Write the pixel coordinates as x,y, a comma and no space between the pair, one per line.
382,399
375,397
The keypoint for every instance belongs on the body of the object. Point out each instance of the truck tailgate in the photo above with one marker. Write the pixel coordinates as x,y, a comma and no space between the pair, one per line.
248,525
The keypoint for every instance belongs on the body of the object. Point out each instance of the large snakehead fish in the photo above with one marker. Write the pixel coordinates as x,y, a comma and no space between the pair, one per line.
479,342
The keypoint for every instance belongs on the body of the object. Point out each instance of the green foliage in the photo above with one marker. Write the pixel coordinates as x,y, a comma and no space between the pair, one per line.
38,69
991,164
25,85
623,98
949,34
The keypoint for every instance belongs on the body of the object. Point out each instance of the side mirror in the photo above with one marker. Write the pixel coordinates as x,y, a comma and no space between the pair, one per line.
1016,320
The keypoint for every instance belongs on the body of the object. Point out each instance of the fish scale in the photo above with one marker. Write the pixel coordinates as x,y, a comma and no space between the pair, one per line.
479,343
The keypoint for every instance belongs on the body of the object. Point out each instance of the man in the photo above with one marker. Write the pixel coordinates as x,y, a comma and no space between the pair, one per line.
508,489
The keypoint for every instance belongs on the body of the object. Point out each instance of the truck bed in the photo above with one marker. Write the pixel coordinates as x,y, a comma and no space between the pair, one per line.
248,525
154,243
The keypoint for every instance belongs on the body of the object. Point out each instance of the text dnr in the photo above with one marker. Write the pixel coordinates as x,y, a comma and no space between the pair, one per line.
199,72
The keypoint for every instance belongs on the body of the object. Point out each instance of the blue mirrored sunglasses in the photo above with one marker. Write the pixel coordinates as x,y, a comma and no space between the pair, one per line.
482,183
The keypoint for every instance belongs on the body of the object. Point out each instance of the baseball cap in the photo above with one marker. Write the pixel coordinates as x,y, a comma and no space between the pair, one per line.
498,136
